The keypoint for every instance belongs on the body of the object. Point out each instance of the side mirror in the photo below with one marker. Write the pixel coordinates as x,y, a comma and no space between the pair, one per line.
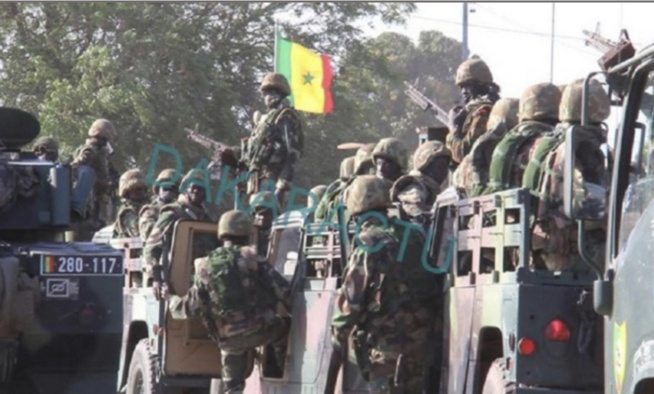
582,200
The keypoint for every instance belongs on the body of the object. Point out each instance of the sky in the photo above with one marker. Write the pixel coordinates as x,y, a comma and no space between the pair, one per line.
514,39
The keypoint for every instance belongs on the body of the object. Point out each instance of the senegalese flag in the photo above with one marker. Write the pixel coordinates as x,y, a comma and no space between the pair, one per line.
47,264
308,73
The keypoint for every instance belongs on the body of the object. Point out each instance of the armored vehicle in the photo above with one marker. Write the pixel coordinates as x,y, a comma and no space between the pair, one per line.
60,304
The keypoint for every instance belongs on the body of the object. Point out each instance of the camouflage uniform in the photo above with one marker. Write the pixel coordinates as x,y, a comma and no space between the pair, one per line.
417,191
127,220
347,168
261,204
277,142
97,157
149,213
46,148
554,236
468,122
380,305
393,150
472,173
249,310
538,113
161,235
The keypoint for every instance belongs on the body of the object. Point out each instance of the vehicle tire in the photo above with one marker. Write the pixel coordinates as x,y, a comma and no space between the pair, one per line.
496,382
142,374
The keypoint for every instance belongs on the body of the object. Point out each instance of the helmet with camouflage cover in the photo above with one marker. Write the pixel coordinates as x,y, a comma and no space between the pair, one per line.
540,102
473,70
391,149
234,223
47,144
130,180
276,81
102,128
599,104
318,191
195,176
165,176
505,110
366,193
347,167
263,200
427,152
363,155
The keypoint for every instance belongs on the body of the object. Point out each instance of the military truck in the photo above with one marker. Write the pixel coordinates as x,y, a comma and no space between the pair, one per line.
60,304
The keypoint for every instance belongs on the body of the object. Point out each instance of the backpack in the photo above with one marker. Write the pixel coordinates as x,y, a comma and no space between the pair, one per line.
538,168
330,199
462,137
506,151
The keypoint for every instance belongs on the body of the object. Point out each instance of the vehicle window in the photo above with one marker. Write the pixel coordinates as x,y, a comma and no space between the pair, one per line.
641,180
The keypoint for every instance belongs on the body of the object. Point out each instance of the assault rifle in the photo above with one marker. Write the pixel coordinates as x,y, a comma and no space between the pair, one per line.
426,104
613,53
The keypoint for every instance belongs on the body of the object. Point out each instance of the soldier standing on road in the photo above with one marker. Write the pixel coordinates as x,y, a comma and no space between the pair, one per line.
190,206
468,121
243,303
165,192
133,193
46,148
390,158
387,302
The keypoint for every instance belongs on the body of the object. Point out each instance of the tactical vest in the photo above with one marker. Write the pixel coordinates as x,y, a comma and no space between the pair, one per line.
260,146
504,155
119,230
464,135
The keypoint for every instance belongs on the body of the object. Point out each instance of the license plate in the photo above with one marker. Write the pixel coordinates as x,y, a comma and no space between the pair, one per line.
81,265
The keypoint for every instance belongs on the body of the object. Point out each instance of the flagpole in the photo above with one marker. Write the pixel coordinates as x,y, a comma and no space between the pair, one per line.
275,56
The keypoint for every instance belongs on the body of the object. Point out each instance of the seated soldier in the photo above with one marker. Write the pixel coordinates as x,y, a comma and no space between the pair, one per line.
390,158
243,303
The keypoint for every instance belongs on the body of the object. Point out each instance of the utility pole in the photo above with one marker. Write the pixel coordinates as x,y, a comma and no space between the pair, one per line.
552,46
464,41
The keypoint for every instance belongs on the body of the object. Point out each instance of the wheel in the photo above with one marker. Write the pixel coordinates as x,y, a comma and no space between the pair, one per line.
142,375
496,382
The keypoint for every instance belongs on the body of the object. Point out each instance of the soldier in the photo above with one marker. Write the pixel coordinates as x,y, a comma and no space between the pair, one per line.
315,195
468,121
190,206
244,304
277,142
417,190
46,148
472,173
537,116
133,193
554,238
390,158
95,152
387,301
347,168
264,215
165,192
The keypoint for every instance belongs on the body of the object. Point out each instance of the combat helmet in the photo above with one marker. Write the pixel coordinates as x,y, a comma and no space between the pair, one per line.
130,180
234,223
102,128
164,177
276,81
318,191
505,110
47,144
194,176
366,193
263,200
540,102
391,149
427,152
599,104
347,167
363,156
473,70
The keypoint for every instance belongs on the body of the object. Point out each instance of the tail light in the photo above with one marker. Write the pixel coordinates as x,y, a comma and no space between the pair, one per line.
557,331
526,346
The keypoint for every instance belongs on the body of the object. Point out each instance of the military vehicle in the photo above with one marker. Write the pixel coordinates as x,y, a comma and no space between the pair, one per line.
60,304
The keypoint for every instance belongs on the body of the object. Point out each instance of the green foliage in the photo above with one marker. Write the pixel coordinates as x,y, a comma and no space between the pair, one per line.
155,68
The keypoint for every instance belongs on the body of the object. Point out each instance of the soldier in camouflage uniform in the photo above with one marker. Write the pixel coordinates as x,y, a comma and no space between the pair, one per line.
468,121
264,214
472,173
95,152
243,303
190,206
165,192
315,195
271,152
347,168
554,237
133,193
417,190
391,158
386,303
46,148
537,116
